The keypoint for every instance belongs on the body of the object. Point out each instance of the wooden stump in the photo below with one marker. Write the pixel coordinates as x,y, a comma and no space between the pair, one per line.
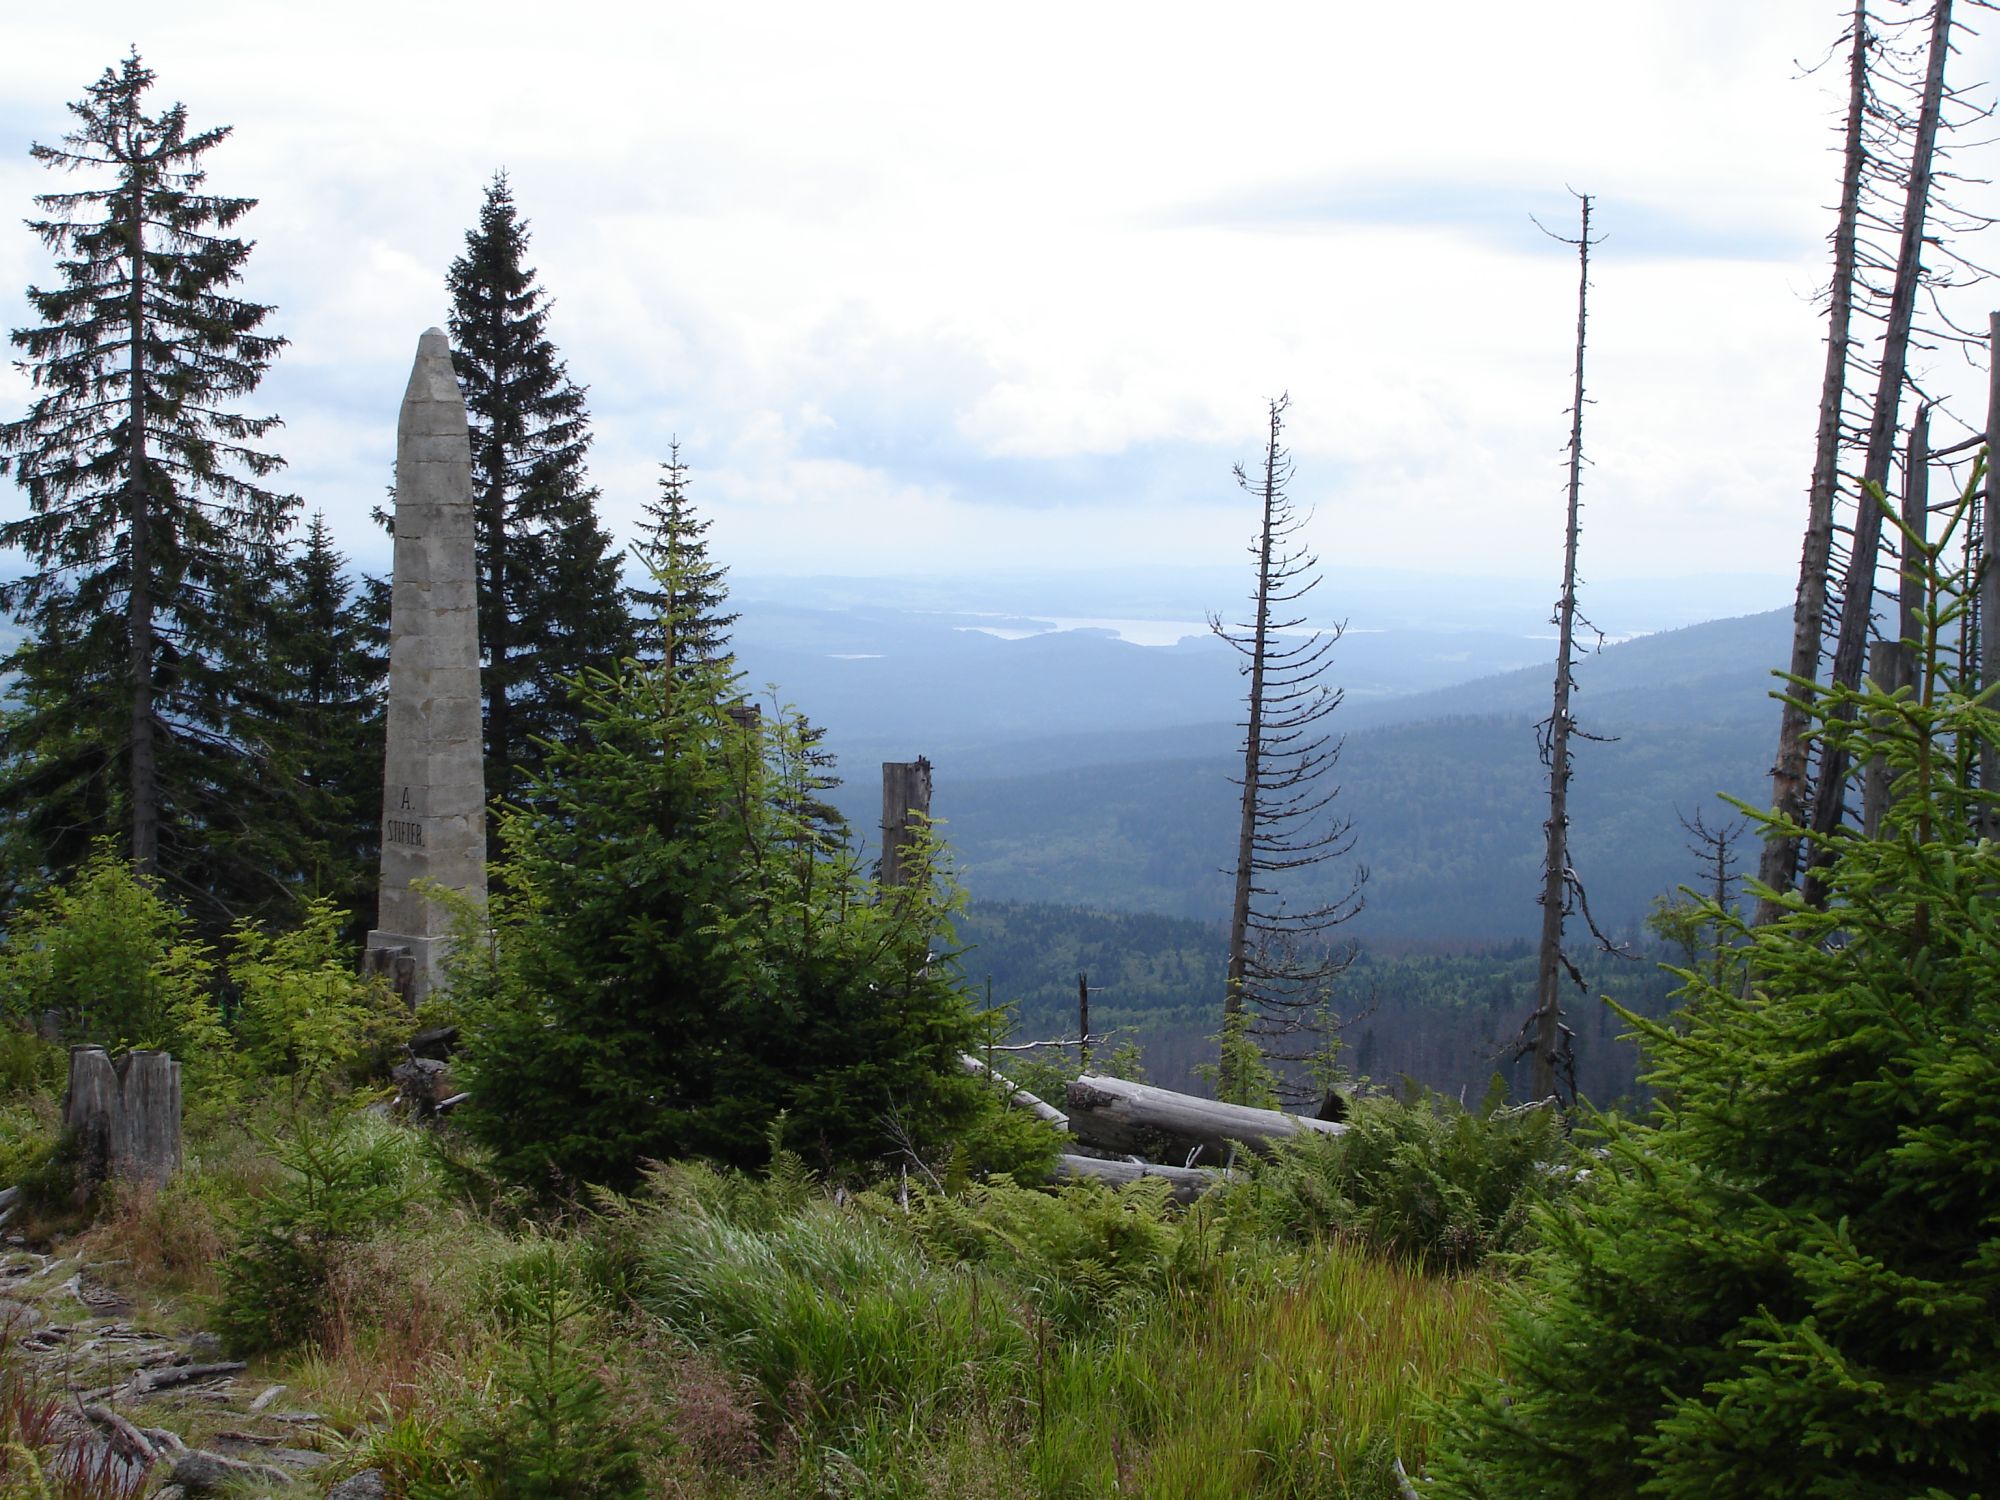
906,807
124,1116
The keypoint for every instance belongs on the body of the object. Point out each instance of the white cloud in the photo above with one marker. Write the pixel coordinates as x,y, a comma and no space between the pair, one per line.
1019,280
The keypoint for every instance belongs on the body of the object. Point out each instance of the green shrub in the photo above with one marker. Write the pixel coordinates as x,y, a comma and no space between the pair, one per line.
119,966
1085,1254
1786,1281
303,1013
339,1182
29,1065
546,1428
30,1133
1419,1178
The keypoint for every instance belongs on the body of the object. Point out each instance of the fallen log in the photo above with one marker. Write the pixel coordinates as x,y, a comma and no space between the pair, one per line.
135,1445
1189,1183
145,1382
1016,1095
1134,1118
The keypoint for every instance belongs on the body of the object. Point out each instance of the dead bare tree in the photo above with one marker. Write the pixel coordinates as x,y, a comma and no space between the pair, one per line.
1281,965
1779,864
1549,1039
1700,918
1893,162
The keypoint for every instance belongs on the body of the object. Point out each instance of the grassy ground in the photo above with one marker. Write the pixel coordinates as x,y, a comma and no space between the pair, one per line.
723,1336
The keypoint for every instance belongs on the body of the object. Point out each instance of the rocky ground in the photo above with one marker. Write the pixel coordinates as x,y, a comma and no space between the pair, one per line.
143,1411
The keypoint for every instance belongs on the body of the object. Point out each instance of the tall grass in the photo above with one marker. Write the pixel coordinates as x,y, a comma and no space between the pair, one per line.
924,1353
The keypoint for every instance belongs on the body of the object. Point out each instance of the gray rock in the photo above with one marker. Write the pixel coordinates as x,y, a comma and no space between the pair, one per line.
367,1485
204,1473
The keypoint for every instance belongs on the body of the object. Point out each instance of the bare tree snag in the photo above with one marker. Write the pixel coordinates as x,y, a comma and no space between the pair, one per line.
1858,592
1989,575
1281,966
124,1116
1111,1114
1550,1040
1892,663
1083,1023
906,808
1779,865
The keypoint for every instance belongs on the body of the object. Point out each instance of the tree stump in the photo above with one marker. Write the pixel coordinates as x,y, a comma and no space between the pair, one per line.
124,1116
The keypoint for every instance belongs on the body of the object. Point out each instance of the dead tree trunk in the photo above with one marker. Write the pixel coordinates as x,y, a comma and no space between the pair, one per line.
1111,1114
906,808
1892,663
1779,866
1551,1051
124,1117
1858,594
1988,597
1189,1183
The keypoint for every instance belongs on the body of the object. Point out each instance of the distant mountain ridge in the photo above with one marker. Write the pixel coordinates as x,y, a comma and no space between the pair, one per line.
1445,790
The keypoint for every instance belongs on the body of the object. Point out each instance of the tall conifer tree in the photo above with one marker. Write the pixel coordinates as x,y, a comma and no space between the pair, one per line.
329,655
550,604
147,526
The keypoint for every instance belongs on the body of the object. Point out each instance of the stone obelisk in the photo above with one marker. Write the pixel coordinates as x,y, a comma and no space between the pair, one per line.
433,776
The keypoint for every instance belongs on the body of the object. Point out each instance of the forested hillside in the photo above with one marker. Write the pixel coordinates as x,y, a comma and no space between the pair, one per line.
1447,812
1445,1020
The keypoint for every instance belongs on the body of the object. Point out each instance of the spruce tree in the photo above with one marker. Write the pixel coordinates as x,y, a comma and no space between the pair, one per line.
550,605
329,657
689,591
146,514
684,961
1786,1281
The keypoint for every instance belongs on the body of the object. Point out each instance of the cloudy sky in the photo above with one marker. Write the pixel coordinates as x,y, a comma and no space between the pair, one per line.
944,287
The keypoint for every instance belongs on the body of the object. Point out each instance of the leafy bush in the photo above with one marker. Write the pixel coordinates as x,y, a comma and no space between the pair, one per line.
1418,1178
1786,1281
31,1071
28,1065
118,965
304,1014
29,1135
341,1181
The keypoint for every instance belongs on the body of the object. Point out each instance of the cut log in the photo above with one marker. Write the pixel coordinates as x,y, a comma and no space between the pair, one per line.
1017,1096
1115,1115
1189,1182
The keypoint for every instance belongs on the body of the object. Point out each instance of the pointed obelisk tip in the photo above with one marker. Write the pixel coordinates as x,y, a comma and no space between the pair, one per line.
434,345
